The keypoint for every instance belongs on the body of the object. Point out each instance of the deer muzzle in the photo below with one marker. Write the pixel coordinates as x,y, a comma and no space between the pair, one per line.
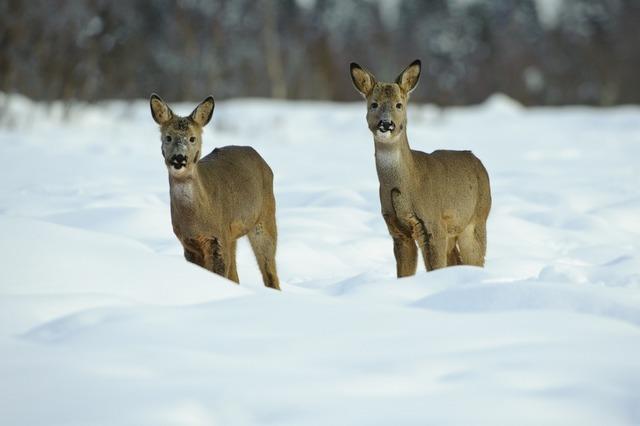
386,126
178,161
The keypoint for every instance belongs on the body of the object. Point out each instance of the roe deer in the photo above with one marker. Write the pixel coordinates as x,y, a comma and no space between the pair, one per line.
440,201
218,199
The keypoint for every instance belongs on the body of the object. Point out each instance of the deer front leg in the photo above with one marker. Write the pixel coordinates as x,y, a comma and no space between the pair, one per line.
406,254
193,251
214,255
208,253
193,257
432,240
404,248
217,255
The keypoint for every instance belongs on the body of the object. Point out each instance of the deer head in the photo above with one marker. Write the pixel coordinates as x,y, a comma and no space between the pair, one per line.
181,136
386,102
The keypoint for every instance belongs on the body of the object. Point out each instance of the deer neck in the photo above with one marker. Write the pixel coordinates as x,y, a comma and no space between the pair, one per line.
185,191
394,161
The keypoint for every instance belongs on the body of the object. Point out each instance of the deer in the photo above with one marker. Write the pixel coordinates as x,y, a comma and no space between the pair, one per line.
218,198
438,202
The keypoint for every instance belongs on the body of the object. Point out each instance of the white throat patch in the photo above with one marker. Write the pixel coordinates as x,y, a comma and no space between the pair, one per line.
182,191
388,158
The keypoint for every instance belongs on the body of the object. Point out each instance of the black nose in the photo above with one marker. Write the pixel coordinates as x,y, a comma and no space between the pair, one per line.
386,126
178,161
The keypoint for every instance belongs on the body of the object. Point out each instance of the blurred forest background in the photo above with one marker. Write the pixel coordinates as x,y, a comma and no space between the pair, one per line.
540,52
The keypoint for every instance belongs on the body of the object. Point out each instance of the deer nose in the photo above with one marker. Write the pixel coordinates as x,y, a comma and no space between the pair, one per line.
386,126
178,161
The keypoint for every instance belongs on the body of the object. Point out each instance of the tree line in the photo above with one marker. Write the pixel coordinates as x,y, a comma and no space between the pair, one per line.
540,52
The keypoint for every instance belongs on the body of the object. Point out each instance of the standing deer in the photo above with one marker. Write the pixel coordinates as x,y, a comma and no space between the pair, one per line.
440,201
219,198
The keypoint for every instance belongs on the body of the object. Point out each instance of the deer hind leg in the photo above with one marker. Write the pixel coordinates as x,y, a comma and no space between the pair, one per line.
473,244
453,253
263,238
432,242
233,268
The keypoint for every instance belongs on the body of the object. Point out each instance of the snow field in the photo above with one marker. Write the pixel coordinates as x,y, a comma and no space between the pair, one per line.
103,322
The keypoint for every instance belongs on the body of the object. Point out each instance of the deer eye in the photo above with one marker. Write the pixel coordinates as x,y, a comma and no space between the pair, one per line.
374,105
192,139
167,138
399,105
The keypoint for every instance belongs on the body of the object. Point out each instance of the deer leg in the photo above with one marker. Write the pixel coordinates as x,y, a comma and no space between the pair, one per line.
406,254
215,255
194,257
473,244
432,241
453,253
194,252
481,239
437,248
233,268
404,248
263,238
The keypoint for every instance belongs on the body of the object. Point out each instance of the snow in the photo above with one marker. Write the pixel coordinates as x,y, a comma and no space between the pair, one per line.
103,322
549,12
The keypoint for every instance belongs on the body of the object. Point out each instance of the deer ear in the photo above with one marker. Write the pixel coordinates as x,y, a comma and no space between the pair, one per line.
160,111
203,112
362,79
408,79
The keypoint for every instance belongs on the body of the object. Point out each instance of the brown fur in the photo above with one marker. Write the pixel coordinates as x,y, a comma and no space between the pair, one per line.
440,201
218,199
